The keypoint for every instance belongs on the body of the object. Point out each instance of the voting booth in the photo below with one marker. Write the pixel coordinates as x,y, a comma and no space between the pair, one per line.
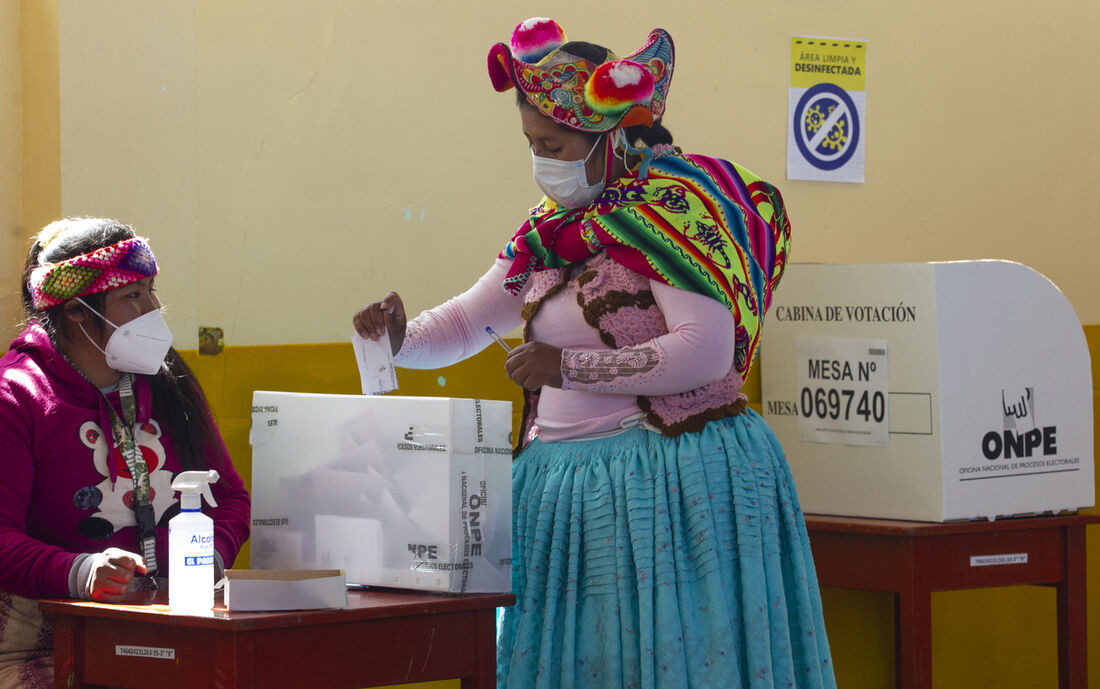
402,492
929,391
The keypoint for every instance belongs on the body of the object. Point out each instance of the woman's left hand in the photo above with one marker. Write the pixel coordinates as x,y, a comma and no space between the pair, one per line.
535,364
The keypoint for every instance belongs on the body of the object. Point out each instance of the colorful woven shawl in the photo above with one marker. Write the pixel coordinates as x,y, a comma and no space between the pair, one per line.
697,223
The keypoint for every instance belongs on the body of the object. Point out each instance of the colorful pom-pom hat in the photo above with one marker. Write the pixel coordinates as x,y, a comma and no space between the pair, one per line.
576,92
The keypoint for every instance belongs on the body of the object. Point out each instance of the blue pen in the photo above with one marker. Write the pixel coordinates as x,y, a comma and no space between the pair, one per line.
498,338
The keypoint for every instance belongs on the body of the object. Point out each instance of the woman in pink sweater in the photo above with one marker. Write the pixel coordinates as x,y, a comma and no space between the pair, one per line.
658,540
97,414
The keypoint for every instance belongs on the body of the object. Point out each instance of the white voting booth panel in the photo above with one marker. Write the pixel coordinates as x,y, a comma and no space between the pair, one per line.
404,492
929,391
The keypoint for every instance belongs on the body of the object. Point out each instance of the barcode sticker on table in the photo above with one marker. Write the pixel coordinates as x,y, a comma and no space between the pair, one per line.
146,652
1006,559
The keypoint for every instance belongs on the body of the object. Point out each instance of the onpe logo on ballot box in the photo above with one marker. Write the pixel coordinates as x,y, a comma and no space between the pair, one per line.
910,391
1023,445
1017,441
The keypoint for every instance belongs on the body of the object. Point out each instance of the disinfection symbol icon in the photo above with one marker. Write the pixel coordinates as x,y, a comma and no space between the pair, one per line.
826,126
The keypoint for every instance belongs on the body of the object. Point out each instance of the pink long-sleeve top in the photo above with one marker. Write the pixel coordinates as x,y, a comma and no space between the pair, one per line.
697,350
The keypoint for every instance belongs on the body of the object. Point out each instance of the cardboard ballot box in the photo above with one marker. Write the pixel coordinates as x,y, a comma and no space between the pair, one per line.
404,492
301,589
934,391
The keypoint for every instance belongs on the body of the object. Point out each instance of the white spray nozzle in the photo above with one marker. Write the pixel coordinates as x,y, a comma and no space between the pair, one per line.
195,483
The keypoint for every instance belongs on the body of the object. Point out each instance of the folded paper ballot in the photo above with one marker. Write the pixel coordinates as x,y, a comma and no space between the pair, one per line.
375,359
285,589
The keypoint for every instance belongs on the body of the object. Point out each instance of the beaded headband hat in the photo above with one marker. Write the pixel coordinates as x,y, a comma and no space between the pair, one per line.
97,271
576,92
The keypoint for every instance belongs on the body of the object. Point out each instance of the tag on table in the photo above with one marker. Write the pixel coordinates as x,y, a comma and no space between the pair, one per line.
375,359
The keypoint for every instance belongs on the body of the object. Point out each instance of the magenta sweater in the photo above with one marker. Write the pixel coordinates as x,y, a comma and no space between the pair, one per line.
65,488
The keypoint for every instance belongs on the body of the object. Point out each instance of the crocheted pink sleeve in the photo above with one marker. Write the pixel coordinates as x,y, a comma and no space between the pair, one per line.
697,350
455,330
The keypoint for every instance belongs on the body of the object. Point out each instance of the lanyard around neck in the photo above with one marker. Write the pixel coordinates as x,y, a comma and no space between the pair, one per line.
125,441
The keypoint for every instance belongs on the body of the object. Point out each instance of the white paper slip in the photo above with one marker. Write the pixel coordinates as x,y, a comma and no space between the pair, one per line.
375,359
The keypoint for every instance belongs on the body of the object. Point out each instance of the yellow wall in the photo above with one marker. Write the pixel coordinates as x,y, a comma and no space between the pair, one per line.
41,172
293,160
30,184
11,145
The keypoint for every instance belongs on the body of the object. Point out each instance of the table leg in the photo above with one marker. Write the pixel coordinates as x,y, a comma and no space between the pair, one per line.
234,655
67,668
486,630
1072,625
913,638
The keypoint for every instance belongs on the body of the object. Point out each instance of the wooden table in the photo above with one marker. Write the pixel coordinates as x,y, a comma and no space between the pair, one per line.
383,637
913,559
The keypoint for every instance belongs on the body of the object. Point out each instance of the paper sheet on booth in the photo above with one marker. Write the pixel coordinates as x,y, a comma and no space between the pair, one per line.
375,359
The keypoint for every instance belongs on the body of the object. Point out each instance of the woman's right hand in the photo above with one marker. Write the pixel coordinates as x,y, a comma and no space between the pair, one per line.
383,316
112,572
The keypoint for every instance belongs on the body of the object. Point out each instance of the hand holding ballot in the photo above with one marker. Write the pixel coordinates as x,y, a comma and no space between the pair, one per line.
375,319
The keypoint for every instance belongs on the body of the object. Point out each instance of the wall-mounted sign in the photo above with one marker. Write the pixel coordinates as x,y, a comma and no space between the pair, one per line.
827,107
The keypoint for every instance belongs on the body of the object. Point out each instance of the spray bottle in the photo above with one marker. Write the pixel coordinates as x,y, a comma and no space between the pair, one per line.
191,545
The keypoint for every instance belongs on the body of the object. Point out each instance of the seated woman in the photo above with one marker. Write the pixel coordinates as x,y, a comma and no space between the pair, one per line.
97,414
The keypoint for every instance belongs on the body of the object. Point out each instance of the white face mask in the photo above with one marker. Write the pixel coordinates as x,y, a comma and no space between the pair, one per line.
137,346
565,182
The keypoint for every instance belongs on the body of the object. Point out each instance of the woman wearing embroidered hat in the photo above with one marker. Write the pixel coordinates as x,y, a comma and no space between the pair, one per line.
658,540
97,413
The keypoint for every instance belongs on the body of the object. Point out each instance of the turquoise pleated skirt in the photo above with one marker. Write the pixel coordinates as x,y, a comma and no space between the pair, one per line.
662,563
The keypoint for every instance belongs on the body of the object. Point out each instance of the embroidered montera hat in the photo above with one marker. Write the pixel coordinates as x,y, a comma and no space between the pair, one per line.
579,93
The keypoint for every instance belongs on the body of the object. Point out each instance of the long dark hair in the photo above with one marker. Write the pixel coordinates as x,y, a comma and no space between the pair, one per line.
650,136
177,397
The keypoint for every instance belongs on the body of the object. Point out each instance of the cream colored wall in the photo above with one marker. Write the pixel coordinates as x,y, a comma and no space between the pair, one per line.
292,159
128,134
